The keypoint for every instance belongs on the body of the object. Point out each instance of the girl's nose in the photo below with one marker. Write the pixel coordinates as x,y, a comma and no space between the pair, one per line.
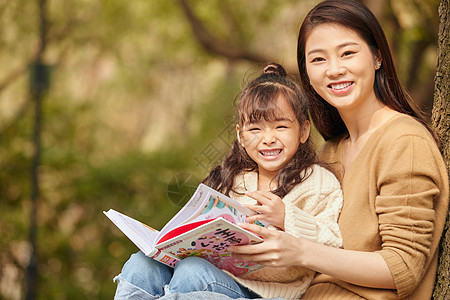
335,68
269,138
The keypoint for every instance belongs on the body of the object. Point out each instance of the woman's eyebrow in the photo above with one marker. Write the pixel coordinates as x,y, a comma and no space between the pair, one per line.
340,46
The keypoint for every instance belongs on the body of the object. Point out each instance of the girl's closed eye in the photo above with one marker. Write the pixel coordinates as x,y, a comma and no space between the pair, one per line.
254,129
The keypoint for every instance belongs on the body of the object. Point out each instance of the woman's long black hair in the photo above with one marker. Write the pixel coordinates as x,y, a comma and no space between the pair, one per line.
357,17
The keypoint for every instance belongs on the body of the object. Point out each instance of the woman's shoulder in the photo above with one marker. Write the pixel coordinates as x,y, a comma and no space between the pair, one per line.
402,125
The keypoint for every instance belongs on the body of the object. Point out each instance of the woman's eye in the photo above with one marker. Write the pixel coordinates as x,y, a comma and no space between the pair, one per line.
317,59
347,53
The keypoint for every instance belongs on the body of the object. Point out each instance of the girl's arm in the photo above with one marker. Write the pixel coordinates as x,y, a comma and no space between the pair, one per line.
281,249
309,211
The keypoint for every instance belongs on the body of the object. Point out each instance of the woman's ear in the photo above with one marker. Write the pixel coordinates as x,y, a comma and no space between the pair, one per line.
305,130
238,134
378,60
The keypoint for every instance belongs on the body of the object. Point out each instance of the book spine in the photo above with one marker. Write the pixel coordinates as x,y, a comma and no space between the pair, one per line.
163,257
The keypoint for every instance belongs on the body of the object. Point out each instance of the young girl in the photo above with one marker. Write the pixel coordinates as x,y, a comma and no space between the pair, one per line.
272,169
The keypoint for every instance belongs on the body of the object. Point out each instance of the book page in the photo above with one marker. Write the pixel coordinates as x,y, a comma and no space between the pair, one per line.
219,205
143,236
210,241
191,208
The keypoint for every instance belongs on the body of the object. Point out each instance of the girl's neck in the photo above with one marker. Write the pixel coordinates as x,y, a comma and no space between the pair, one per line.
266,181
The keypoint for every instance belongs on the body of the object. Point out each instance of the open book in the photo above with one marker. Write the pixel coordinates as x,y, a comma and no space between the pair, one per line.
204,227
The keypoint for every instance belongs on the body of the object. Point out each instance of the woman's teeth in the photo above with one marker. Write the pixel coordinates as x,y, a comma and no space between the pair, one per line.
340,86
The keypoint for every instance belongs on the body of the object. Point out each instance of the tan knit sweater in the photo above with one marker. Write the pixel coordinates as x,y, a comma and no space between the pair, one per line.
311,211
396,195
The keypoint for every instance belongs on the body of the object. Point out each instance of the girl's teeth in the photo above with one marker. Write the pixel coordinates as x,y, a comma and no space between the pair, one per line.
270,152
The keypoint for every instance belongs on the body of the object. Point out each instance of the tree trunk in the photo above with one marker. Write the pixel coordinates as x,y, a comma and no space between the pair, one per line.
441,122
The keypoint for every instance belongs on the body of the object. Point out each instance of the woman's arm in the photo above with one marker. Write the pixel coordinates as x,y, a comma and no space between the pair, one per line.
281,249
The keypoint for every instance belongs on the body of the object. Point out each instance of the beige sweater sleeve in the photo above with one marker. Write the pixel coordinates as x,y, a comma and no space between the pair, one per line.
312,208
407,184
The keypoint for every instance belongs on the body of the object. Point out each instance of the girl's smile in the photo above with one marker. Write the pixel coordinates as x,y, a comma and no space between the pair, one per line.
272,144
271,154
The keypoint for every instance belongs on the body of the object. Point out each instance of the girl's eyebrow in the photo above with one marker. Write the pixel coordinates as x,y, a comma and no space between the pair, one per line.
277,119
283,119
340,46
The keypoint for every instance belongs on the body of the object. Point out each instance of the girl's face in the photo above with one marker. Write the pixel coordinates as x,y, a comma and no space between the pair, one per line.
341,66
272,144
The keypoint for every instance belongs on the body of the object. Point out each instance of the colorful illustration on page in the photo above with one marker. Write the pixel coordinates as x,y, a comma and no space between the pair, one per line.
212,247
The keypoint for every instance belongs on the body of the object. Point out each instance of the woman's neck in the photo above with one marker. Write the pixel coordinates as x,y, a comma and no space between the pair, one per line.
360,125
363,122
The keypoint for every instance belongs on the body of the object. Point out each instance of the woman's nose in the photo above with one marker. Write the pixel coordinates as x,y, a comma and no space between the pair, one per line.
335,68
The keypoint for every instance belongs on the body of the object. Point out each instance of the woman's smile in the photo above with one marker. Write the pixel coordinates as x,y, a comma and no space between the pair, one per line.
340,87
341,68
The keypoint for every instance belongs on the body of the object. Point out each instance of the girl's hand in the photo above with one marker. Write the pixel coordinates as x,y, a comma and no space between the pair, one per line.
269,207
279,249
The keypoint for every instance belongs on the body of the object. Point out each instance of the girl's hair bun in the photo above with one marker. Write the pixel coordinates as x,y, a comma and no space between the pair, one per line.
275,69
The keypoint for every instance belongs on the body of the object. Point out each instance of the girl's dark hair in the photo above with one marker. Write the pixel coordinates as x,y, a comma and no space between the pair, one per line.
357,17
258,101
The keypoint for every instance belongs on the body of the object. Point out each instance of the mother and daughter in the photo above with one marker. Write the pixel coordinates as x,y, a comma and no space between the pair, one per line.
383,242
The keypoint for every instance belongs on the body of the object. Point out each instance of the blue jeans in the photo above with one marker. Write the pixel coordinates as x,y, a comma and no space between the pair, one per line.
145,278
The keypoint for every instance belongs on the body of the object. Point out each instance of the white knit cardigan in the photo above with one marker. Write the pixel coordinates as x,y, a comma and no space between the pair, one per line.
311,212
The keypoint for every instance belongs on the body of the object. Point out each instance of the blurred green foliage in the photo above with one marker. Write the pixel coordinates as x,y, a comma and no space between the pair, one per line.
134,100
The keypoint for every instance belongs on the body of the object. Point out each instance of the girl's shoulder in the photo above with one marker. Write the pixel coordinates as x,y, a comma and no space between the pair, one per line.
319,177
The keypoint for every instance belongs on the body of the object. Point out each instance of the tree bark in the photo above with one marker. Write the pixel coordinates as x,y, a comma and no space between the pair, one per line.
441,122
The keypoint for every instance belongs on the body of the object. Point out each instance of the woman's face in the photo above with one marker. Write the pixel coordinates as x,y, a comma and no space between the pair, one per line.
340,66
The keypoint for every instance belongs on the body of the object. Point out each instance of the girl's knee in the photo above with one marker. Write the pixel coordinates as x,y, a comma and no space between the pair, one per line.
137,263
193,267
193,274
141,267
146,274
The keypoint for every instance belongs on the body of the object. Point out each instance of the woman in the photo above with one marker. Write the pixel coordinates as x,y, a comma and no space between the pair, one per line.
393,177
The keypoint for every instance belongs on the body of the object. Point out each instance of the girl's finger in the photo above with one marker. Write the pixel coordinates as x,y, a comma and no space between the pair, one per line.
256,208
254,218
258,196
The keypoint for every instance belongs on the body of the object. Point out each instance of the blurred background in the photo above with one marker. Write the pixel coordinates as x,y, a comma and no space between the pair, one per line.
127,105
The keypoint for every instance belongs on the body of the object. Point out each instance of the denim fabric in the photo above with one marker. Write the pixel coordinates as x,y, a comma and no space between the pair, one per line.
203,296
145,278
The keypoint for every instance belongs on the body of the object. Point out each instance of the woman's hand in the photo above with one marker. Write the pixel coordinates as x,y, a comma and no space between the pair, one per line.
269,207
279,248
